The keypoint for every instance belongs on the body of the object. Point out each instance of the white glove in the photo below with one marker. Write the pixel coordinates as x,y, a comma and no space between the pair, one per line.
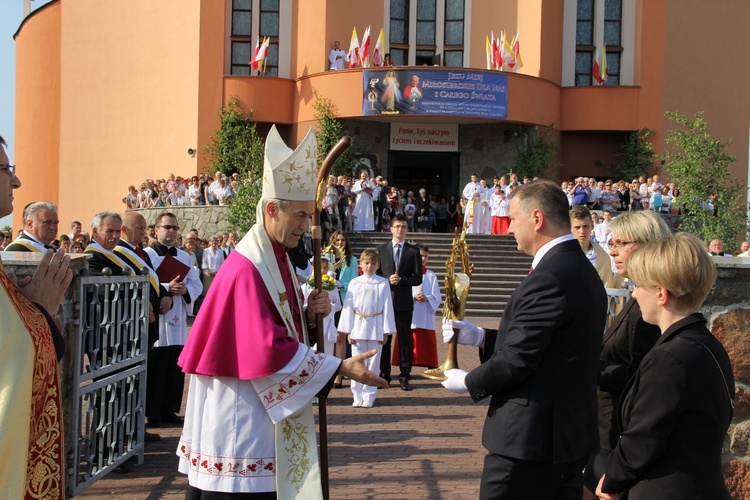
469,333
456,381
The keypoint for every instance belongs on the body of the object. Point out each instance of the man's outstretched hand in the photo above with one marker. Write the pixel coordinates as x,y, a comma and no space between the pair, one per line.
355,369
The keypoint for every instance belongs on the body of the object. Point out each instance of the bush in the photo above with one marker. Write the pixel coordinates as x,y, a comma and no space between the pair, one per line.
699,165
237,147
636,156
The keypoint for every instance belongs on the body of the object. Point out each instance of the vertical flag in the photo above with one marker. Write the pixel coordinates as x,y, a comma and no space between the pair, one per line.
488,51
599,68
365,49
503,48
253,60
497,57
260,57
510,56
378,53
517,51
354,50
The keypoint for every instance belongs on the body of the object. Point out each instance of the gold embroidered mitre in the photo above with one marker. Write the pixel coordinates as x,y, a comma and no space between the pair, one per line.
290,175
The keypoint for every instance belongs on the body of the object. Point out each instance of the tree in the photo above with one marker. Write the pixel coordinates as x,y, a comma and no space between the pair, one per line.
636,156
237,147
535,158
329,131
699,165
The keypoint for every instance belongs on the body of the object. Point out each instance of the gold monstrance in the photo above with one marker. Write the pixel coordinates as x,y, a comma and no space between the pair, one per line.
456,292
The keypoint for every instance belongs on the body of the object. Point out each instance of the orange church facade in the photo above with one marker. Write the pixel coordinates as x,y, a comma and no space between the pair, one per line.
111,93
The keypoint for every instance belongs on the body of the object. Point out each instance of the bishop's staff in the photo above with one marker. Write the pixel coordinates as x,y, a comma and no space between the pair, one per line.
317,235
456,292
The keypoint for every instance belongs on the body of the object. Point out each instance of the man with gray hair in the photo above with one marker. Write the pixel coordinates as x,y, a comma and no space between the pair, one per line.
106,228
39,228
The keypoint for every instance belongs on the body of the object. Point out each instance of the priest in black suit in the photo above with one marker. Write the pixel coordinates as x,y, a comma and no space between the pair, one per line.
401,265
541,424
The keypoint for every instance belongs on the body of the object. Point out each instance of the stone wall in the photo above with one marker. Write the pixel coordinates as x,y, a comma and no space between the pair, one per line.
728,313
208,220
489,149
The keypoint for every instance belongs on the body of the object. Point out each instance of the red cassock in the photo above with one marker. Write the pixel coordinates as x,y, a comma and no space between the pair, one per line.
424,349
500,225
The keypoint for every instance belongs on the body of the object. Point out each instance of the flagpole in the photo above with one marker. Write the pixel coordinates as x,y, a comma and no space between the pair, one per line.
317,235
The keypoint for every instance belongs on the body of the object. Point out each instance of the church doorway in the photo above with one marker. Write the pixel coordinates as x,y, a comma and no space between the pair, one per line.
436,172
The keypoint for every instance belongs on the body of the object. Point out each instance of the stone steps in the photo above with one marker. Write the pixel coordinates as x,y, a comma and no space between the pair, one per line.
498,266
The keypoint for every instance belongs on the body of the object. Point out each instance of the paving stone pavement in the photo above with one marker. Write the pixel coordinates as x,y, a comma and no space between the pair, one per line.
425,443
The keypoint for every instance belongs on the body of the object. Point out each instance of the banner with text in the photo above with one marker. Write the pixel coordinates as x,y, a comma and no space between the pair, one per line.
435,92
424,137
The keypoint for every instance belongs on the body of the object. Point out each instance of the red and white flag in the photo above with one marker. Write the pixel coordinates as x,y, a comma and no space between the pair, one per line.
253,60
364,49
378,53
354,50
517,51
262,54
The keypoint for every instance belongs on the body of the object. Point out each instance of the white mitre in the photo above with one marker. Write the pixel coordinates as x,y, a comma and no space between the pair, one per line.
290,175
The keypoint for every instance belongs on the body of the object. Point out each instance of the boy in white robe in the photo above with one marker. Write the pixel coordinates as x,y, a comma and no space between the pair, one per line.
367,318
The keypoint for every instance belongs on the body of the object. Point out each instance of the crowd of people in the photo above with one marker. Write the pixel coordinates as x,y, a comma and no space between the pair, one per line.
642,410
197,190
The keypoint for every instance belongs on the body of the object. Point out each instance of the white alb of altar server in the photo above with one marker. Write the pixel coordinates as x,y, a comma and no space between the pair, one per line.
363,214
424,312
474,210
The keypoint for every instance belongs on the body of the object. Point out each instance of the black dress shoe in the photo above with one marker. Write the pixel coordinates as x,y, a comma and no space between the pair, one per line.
405,385
171,418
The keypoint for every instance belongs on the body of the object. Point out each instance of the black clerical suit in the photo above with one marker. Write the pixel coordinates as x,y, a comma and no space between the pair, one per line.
410,272
541,422
154,369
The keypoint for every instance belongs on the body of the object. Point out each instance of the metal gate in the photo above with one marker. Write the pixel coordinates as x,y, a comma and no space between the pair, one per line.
107,422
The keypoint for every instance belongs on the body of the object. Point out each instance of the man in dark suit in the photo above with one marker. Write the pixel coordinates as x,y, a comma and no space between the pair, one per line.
401,264
541,423
130,251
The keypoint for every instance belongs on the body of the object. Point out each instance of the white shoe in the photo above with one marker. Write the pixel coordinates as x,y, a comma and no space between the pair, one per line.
357,404
367,404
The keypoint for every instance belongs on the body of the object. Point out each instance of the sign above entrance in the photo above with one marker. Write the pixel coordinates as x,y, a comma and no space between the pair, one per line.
424,137
435,92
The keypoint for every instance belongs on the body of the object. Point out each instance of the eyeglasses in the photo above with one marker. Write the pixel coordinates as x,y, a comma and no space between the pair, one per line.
619,244
11,169
171,228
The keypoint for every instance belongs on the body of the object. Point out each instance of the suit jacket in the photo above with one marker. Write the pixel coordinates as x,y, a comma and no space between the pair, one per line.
544,363
675,416
409,269
17,246
625,343
154,297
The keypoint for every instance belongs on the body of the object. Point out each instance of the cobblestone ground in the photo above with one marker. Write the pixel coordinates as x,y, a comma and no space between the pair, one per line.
420,444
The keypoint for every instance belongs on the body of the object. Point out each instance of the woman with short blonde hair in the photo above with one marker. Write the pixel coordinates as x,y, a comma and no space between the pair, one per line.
678,406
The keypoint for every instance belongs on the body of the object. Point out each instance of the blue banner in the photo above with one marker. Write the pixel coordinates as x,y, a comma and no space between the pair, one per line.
435,92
